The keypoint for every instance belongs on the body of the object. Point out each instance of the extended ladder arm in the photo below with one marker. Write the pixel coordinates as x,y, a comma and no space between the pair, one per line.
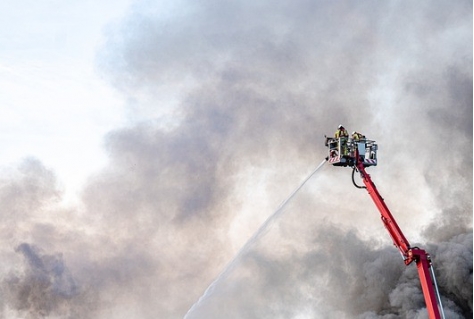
421,258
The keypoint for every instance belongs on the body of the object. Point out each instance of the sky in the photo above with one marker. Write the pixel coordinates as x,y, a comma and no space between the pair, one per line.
55,105
145,143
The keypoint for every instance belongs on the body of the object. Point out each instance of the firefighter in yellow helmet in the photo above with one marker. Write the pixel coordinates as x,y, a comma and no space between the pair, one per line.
357,136
342,135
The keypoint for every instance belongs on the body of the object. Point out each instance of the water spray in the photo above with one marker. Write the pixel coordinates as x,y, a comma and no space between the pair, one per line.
261,230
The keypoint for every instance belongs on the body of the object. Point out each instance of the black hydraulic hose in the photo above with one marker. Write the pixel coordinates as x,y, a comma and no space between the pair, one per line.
353,181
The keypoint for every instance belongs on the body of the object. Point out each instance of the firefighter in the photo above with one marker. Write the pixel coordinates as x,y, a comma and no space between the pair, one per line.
357,136
341,132
342,135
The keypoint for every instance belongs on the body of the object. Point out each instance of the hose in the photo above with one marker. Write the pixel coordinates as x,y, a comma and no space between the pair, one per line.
437,292
353,181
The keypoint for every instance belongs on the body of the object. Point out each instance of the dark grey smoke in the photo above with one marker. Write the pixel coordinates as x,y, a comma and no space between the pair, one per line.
228,105
43,288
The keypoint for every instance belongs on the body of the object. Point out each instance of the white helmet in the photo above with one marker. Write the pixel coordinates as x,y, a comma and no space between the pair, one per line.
340,126
353,132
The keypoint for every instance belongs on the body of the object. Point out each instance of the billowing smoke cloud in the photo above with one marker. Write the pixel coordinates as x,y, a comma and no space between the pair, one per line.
229,103
44,285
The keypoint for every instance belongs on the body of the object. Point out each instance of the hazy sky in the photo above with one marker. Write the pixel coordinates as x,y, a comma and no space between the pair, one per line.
54,104
178,127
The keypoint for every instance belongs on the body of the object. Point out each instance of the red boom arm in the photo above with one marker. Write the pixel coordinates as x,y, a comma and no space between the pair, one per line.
421,258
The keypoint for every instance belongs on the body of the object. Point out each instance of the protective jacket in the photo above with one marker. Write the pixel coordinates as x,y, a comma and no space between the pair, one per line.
357,136
341,133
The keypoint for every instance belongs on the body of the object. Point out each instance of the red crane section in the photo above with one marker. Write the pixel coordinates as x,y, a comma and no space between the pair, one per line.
358,152
421,258
395,232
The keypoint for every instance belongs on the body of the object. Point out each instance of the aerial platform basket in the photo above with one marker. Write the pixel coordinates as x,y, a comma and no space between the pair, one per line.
342,151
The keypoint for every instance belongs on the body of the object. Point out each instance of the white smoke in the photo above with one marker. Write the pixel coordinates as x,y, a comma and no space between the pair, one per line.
231,102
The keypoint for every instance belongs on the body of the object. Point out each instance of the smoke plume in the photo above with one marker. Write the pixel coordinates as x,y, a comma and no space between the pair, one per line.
229,103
